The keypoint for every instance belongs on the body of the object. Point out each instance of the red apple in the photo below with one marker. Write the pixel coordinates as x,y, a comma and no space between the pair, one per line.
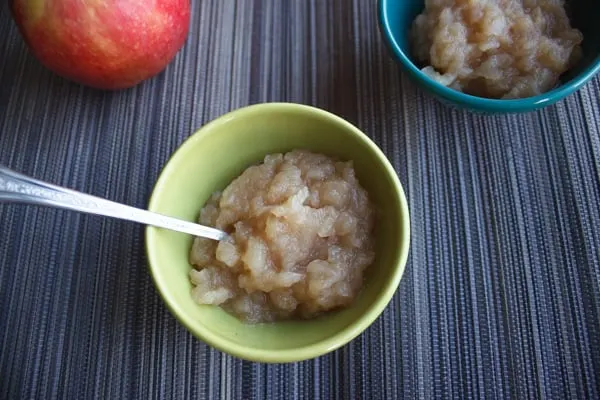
107,44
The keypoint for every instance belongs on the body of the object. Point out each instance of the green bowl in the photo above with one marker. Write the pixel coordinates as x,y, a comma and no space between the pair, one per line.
396,18
209,160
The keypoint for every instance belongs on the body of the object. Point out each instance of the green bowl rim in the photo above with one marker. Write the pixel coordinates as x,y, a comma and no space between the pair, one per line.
479,103
316,349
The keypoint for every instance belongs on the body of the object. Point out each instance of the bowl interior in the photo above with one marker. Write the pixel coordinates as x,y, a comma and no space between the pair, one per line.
219,152
584,15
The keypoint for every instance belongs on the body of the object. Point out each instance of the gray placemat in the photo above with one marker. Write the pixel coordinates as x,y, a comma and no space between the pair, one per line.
501,296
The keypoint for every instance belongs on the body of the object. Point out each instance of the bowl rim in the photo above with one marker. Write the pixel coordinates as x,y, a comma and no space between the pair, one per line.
312,350
480,103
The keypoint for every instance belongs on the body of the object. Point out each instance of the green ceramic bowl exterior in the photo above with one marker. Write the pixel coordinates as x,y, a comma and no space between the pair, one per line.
395,20
209,160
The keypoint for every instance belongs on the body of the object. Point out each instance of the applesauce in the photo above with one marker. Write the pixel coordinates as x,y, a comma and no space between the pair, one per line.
502,49
301,237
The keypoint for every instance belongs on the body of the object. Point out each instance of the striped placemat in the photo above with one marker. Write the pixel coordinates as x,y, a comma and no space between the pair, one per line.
501,296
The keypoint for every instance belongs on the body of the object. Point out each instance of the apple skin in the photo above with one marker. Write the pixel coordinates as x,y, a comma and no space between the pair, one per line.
105,44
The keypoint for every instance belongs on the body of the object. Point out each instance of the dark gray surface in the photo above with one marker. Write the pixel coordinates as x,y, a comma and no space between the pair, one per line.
501,296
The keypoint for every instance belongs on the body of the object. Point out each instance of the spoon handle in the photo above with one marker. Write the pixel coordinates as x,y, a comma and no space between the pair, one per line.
15,187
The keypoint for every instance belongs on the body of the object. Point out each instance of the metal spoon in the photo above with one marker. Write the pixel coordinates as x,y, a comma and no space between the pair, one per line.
15,187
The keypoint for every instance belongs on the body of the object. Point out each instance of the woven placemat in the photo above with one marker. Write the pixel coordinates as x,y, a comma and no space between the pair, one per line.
501,295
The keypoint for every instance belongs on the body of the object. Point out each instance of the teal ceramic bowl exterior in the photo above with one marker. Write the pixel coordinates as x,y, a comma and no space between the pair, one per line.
395,20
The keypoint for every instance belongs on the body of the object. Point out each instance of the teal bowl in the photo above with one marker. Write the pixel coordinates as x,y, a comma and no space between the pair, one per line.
395,20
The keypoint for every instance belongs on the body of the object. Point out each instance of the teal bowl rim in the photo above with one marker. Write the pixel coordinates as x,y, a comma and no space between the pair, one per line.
479,103
347,334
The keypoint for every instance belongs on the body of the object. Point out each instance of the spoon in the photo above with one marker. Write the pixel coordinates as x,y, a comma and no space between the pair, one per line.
15,187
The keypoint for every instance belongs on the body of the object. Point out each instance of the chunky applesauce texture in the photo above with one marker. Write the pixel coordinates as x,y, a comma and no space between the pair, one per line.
301,237
502,49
